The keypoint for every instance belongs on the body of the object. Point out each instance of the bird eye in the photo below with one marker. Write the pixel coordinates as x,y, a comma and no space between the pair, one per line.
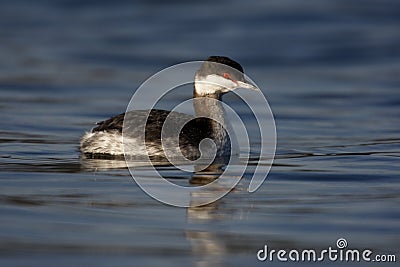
226,75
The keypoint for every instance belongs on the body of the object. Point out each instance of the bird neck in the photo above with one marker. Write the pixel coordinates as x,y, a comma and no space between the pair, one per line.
211,107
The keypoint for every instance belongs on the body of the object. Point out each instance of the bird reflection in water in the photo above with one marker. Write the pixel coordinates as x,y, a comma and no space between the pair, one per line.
208,249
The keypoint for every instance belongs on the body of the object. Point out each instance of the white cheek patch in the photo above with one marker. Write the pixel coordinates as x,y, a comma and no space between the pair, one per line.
213,83
219,80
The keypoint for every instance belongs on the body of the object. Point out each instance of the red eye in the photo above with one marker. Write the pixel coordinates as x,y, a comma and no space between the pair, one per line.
227,75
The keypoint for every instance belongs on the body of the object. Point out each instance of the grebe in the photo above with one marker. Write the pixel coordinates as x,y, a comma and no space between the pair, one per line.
217,75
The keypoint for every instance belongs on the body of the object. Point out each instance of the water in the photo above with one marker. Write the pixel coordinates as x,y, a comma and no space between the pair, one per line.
329,70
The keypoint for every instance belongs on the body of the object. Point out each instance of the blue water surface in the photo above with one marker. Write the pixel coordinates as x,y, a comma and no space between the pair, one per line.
329,69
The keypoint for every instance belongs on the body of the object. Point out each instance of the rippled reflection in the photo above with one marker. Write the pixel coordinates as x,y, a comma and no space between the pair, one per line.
208,248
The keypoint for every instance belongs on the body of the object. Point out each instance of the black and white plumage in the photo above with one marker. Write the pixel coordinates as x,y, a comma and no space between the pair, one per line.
211,82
